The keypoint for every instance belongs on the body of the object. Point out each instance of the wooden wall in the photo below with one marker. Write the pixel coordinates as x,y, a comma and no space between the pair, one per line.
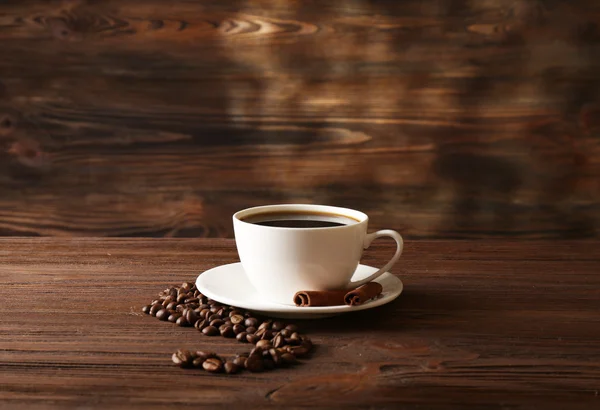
440,118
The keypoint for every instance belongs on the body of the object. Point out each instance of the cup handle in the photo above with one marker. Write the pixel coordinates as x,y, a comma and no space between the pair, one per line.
368,240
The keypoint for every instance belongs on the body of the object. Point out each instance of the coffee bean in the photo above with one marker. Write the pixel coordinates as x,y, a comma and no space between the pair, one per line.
288,358
251,330
297,350
260,332
198,362
307,343
155,308
156,302
227,331
173,317
168,300
251,322
241,337
146,309
204,355
231,368
172,306
216,322
236,319
295,336
210,331
264,344
190,316
180,308
254,363
277,326
236,312
252,338
181,297
285,333
182,322
265,325
162,314
221,312
278,340
214,317
182,358
187,286
213,365
200,325
192,300
276,356
292,328
257,351
237,329
214,309
241,361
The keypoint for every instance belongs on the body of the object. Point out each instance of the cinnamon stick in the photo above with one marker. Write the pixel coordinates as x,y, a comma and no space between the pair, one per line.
353,297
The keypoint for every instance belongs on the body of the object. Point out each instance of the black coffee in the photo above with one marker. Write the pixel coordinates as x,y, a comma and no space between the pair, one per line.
300,219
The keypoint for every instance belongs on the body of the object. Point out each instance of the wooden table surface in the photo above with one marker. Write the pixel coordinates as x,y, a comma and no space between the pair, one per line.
481,324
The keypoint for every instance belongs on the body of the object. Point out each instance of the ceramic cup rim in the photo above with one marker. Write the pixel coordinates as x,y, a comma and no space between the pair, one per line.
358,216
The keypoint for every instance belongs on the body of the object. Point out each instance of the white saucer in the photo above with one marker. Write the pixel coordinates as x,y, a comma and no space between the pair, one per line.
228,284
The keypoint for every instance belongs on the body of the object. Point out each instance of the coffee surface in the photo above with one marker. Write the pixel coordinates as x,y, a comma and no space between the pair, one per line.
299,220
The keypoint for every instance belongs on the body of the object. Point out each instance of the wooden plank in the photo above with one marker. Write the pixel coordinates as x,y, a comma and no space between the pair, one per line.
441,119
491,324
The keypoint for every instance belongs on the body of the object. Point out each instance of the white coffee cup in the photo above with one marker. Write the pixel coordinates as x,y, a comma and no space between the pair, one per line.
282,261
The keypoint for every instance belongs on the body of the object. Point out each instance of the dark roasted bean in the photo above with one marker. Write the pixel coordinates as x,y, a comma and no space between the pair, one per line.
267,335
190,316
180,308
156,302
213,365
155,308
264,344
231,368
204,355
204,313
226,331
181,297
173,317
216,322
182,322
200,324
285,333
237,329
221,312
276,356
257,351
297,350
295,336
241,360
146,309
198,362
292,328
168,300
260,332
162,314
172,306
252,338
210,331
288,358
235,312
251,330
192,300
241,337
236,319
277,326
265,325
251,322
214,309
182,358
278,340
214,316
187,286
254,363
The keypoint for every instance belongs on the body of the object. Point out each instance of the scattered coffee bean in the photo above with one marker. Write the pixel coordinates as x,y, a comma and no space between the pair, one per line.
252,338
173,317
231,368
200,325
237,329
210,331
277,326
251,322
265,325
213,365
278,340
155,308
292,328
254,363
241,361
172,306
257,351
241,337
146,309
191,316
182,358
162,314
251,329
227,331
264,344
182,321
198,362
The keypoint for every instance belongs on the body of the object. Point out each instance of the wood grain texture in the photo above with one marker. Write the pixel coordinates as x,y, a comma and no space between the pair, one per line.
481,324
442,119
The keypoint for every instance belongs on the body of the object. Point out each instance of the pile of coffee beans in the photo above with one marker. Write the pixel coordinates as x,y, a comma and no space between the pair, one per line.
276,344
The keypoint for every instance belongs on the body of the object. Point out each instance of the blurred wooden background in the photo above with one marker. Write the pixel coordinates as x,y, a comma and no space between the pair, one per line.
439,118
